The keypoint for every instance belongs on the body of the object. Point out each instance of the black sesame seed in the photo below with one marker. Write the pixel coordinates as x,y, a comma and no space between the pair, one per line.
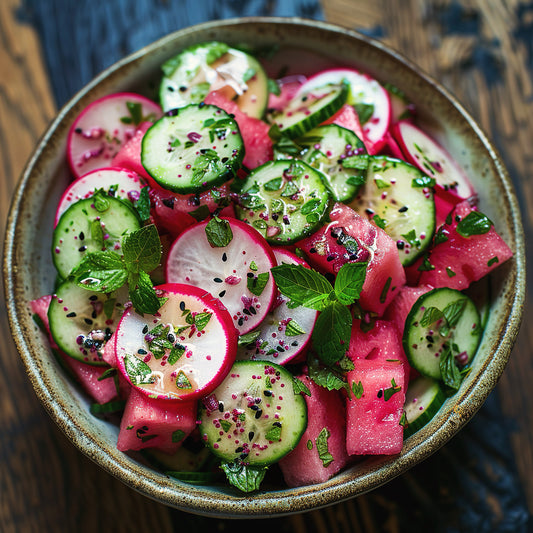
71,315
280,349
82,248
222,294
403,209
142,351
267,393
330,257
277,424
168,202
82,236
145,329
171,338
183,88
380,393
224,257
246,312
251,435
93,314
217,280
252,310
93,297
275,217
221,407
258,414
88,321
254,407
240,321
78,130
294,343
312,250
243,456
182,306
239,449
250,274
400,245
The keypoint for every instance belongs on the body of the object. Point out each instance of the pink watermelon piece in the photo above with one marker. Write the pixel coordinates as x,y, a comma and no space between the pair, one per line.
303,466
129,156
171,211
257,143
327,251
347,117
382,342
152,423
460,260
373,419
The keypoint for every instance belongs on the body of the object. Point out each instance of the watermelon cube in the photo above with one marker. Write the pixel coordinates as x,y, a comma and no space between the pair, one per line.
347,117
461,260
326,423
350,237
257,144
374,408
153,423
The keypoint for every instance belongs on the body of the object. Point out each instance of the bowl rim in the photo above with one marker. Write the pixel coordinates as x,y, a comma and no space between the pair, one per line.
193,498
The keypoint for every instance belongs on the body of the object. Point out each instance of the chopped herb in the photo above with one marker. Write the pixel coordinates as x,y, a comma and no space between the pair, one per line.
218,232
357,389
298,386
364,111
391,391
423,181
292,329
475,223
256,284
322,447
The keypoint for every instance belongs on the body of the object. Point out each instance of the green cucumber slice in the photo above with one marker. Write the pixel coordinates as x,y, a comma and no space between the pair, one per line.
259,418
197,148
398,197
309,108
214,66
423,399
90,225
82,321
326,149
441,320
285,200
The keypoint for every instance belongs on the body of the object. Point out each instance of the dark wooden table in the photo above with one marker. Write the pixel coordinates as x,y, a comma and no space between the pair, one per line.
482,50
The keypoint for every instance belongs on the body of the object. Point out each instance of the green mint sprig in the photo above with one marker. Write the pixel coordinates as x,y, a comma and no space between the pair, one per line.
246,478
107,271
306,287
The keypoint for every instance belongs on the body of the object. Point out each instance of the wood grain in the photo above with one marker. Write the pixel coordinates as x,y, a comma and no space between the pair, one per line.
486,59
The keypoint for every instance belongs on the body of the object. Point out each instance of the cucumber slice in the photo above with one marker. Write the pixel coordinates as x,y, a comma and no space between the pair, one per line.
284,200
257,416
309,108
91,225
423,399
214,66
325,148
196,148
398,198
440,320
82,321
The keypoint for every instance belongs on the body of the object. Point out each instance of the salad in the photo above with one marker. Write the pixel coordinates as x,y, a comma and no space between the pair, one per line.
259,274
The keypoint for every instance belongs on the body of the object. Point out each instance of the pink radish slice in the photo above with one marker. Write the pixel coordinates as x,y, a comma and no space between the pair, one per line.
228,272
363,90
288,86
424,152
284,333
183,352
128,186
103,127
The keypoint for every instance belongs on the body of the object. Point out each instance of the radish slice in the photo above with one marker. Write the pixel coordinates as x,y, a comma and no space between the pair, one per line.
363,90
126,183
183,352
103,127
234,273
424,152
285,333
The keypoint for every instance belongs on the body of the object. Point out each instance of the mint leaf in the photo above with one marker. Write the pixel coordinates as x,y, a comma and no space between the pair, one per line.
358,162
200,213
201,320
182,381
100,272
364,111
142,249
475,223
273,184
246,478
97,233
142,205
256,284
430,316
218,233
177,435
349,282
292,329
357,389
298,386
451,376
326,377
138,371
100,200
273,87
391,391
274,433
423,181
206,167
331,335
142,294
453,311
302,285
249,338
322,447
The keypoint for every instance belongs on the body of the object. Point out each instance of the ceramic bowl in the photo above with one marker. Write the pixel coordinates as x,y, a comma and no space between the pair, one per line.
29,273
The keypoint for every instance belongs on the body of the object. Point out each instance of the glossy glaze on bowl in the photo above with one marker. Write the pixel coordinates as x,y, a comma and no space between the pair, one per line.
28,270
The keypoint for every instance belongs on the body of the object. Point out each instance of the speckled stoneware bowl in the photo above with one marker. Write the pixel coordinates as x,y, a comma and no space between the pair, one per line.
29,272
